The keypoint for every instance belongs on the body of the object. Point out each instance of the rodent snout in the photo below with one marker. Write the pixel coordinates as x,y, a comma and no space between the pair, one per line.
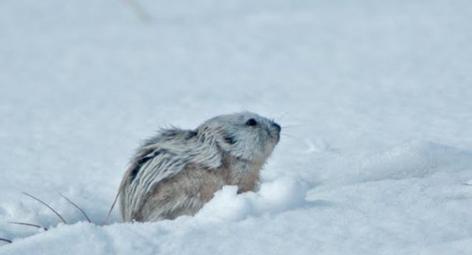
277,127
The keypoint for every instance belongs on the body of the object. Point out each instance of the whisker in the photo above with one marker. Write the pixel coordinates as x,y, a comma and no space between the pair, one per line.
292,136
76,206
291,125
50,208
5,240
28,224
287,135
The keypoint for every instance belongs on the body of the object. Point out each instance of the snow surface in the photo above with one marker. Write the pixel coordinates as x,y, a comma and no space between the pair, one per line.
375,98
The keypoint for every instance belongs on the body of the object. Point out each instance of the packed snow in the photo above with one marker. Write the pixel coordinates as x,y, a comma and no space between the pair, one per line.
375,100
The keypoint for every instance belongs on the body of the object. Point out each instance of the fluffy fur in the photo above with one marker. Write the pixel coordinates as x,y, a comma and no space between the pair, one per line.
177,171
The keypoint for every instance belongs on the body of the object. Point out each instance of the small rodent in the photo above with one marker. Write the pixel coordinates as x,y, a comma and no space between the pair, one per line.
177,171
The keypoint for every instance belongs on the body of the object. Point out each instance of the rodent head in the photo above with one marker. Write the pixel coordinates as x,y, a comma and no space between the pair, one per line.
245,135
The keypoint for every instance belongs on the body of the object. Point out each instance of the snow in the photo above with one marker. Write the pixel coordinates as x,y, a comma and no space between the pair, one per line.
374,98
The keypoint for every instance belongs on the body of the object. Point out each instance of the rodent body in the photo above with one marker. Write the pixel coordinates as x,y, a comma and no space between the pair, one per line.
176,172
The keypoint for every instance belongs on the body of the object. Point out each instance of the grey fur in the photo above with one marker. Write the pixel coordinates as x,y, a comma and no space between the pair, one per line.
177,171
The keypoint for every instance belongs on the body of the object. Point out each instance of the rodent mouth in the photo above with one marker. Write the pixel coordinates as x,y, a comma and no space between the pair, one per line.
275,132
275,136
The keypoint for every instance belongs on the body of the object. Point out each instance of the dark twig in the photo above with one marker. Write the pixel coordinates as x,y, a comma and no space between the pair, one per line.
128,171
50,208
5,240
76,206
113,205
28,224
139,10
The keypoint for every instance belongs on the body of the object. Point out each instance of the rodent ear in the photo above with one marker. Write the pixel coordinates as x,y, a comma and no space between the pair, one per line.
229,139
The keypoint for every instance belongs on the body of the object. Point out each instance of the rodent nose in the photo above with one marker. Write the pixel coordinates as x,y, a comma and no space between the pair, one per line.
276,126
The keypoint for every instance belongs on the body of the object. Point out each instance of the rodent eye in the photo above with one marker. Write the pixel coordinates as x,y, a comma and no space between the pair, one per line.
251,122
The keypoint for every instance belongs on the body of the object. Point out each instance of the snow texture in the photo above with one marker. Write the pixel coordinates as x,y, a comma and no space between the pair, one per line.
375,100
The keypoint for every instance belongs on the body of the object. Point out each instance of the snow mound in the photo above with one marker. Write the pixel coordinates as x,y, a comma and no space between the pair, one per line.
276,196
414,160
